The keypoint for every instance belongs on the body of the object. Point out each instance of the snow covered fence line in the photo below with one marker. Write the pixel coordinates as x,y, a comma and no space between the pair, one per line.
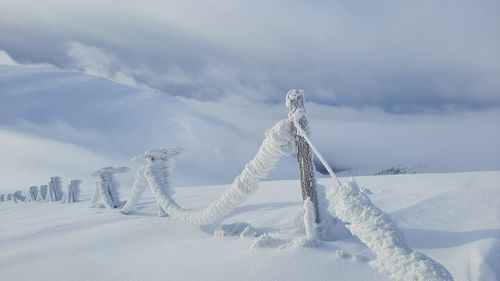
376,229
106,187
277,143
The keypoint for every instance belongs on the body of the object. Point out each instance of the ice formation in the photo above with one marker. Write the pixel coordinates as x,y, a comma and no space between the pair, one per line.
106,187
278,142
55,189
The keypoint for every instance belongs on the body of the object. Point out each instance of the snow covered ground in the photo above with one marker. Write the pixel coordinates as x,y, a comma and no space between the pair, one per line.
453,218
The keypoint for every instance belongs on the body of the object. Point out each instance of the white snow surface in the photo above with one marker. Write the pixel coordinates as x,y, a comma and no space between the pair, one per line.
452,218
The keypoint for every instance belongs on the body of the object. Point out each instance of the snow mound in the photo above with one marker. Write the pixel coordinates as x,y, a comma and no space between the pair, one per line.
240,229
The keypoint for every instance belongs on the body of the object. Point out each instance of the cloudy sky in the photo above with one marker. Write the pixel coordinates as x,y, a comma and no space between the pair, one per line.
388,83
402,57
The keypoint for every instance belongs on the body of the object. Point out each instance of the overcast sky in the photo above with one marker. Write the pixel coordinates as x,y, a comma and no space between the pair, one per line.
399,56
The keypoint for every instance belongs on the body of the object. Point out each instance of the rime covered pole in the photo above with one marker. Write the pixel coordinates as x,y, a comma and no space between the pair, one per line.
55,189
295,104
33,194
106,187
72,192
160,160
43,193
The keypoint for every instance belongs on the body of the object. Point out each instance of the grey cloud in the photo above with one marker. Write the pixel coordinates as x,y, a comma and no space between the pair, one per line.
403,57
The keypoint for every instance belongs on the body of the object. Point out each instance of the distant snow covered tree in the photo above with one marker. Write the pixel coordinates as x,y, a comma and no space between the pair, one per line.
2,197
72,192
55,189
107,188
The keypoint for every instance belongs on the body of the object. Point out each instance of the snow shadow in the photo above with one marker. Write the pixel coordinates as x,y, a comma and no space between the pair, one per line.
435,239
268,206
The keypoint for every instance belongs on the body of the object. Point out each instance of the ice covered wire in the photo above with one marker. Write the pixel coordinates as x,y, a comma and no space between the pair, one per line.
277,143
376,229
161,160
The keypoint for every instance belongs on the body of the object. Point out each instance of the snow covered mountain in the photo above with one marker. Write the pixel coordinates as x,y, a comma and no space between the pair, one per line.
453,218
67,123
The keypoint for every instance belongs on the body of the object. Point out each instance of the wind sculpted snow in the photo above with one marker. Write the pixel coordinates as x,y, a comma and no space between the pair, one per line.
433,212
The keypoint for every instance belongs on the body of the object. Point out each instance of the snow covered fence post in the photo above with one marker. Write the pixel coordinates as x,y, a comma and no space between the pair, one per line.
55,189
73,191
106,187
162,161
43,193
295,104
19,196
33,194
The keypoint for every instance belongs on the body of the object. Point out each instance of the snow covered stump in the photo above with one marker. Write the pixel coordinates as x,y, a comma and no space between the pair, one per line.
107,188
72,192
161,161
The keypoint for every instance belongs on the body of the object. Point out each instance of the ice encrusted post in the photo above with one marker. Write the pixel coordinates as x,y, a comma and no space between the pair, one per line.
106,187
295,104
55,189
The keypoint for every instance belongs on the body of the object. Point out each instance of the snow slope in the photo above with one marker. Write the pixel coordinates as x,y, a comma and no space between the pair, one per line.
453,218
107,124
67,123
